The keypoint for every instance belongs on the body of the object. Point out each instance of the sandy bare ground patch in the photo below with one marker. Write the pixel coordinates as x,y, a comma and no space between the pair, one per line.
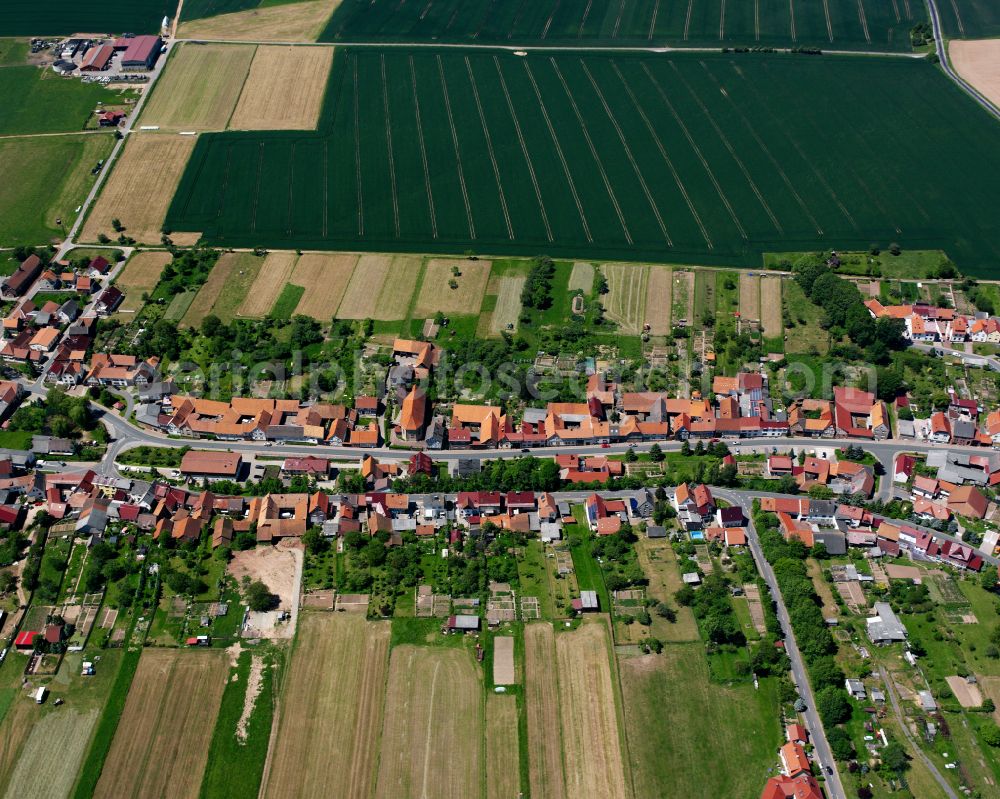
967,694
542,704
978,62
752,593
161,745
280,569
433,728
140,275
284,90
40,775
503,660
324,276
502,760
361,298
466,300
625,302
659,300
273,275
770,306
749,297
508,307
397,291
140,188
588,713
211,289
292,22
199,87
330,716
581,278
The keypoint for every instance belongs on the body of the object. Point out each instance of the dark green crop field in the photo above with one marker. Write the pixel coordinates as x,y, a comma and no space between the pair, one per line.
835,24
693,158
33,18
970,19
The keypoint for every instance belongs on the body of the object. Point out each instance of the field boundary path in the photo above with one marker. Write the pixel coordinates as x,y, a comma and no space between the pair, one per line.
942,49
887,680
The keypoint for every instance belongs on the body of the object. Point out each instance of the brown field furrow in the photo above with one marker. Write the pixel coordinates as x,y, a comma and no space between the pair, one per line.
749,298
978,62
331,710
659,299
591,741
397,291
437,295
161,745
625,302
211,289
271,279
140,275
770,306
324,276
199,87
290,22
140,188
433,730
508,307
361,298
502,760
40,775
284,90
542,704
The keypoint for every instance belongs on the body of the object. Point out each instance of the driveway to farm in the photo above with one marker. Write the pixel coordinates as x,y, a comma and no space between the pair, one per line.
824,755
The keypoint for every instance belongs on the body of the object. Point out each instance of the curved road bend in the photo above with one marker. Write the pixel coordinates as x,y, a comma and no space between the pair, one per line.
942,50
824,755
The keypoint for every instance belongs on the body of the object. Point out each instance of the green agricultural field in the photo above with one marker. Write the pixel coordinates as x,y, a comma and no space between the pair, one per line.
45,178
710,159
26,18
970,19
675,714
39,101
840,24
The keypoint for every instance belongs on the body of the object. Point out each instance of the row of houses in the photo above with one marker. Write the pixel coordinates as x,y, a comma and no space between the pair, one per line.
838,527
841,477
928,323
795,780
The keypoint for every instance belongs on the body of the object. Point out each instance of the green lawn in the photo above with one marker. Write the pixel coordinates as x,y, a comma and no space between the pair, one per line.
15,439
287,301
13,52
532,572
675,715
806,335
38,100
44,179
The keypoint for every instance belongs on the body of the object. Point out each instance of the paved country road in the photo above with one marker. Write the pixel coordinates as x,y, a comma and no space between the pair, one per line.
817,735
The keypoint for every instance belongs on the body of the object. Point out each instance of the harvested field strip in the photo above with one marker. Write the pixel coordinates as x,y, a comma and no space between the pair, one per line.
330,715
274,274
284,22
770,306
581,278
361,297
14,732
325,278
138,191
140,275
592,743
508,307
436,293
659,301
161,745
625,302
40,775
200,87
396,296
750,298
284,90
241,277
503,770
433,731
673,711
218,280
542,700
